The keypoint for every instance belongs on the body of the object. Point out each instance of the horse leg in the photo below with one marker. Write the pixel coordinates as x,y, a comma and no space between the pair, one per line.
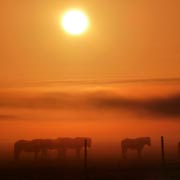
17,154
44,153
36,155
64,153
124,152
59,153
139,152
78,151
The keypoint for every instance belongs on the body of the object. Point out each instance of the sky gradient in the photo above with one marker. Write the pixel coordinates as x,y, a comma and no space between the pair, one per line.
126,40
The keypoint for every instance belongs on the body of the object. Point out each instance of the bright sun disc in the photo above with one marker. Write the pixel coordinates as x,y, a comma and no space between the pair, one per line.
75,22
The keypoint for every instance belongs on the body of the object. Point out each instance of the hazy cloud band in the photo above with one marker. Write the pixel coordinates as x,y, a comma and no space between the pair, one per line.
167,106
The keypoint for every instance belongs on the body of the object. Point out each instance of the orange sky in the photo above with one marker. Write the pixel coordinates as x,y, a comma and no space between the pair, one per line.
126,39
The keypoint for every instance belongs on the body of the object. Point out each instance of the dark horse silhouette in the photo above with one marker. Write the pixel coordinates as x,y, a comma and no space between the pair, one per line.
135,144
41,146
63,144
36,146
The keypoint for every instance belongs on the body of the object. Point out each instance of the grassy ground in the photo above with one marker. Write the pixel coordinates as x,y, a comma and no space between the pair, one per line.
57,171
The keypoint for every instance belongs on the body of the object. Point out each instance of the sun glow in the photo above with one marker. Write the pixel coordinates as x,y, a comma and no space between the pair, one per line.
75,22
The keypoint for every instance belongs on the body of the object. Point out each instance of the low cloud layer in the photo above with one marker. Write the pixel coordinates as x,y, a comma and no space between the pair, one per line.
155,106
167,106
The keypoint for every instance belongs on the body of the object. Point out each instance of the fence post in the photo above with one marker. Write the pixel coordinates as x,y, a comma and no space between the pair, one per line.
162,150
85,153
178,150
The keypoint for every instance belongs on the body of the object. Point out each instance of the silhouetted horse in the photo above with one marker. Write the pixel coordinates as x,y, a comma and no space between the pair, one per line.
135,144
63,144
36,146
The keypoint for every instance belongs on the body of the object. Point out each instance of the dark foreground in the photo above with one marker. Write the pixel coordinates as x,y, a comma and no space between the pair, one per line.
57,172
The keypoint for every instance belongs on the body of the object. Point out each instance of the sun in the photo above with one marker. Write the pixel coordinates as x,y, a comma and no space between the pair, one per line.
75,22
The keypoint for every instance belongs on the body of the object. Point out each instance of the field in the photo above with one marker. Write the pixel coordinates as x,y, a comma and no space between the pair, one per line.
96,170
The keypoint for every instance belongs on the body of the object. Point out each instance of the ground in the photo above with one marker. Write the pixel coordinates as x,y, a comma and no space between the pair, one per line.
53,171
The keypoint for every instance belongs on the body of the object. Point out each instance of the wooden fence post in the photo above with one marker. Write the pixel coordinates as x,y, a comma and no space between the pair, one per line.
162,150
178,150
85,153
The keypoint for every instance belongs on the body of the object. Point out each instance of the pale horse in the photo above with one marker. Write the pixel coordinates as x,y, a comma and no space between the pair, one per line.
135,144
35,146
64,144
